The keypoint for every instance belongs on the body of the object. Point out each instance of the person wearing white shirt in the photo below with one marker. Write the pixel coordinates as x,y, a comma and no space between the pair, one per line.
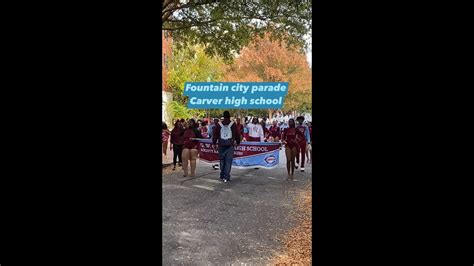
255,131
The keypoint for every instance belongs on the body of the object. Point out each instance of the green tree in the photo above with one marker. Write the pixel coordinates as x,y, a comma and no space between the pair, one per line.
191,64
178,110
223,27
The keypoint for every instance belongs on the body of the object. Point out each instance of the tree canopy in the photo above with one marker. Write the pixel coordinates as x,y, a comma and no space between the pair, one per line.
265,60
223,27
191,64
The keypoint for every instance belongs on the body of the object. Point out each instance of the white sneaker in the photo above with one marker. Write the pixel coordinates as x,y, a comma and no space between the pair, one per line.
302,169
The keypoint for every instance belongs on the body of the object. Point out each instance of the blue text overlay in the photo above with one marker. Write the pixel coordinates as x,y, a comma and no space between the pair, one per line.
232,95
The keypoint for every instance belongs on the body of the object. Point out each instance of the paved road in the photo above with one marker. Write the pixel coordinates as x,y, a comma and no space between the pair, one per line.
207,222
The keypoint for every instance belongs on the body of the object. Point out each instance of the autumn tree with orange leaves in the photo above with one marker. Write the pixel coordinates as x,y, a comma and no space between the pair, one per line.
267,60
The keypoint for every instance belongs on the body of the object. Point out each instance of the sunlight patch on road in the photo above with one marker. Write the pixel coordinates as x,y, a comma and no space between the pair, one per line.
204,187
212,181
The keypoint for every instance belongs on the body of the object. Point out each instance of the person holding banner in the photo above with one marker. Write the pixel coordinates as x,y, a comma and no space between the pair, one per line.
309,154
302,142
190,147
209,132
203,130
255,131
226,136
290,138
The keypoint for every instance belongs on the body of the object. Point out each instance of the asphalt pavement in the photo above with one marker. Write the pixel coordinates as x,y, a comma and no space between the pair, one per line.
208,222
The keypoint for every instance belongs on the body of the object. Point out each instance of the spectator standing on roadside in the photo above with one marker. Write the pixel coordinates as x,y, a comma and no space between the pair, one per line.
165,135
309,153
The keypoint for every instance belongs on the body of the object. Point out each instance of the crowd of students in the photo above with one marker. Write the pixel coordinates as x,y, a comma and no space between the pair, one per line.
295,135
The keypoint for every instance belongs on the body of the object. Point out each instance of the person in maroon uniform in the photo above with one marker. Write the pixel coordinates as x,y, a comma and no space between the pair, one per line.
190,147
203,129
177,143
240,128
290,138
302,142
275,133
266,132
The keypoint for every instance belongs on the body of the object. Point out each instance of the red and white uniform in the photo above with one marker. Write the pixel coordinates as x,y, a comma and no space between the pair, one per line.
255,133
